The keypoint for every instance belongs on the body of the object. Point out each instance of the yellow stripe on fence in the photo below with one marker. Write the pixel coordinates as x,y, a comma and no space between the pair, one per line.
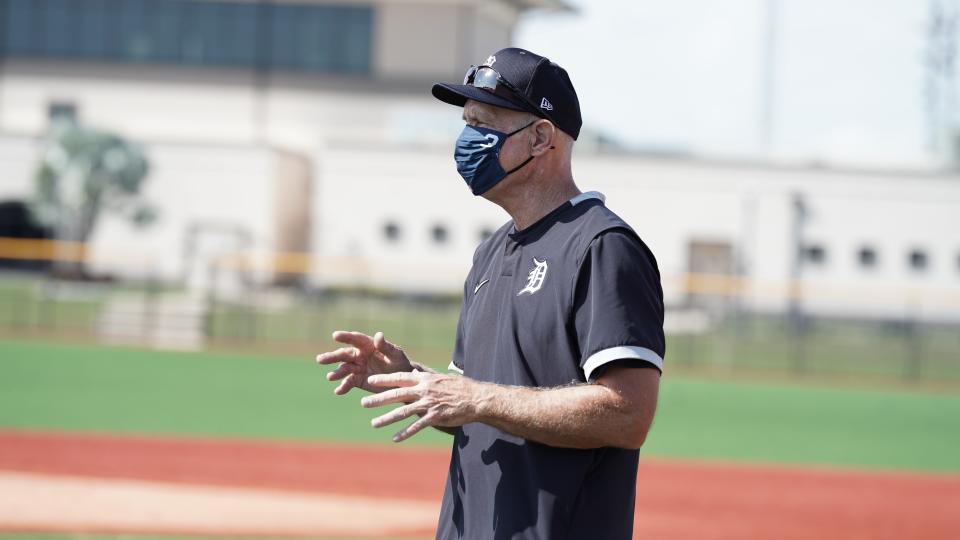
42,250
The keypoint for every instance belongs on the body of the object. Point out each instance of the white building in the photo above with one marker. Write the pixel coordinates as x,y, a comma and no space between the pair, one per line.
309,127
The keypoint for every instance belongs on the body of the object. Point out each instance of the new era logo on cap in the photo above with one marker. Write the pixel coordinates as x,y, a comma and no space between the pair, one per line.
546,105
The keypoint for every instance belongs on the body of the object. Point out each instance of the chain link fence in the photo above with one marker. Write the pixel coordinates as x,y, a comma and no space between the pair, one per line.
299,320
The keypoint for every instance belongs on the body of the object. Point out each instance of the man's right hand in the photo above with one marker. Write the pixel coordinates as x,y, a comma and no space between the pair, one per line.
365,356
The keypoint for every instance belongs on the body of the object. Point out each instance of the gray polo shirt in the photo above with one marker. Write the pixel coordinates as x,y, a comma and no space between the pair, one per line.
553,304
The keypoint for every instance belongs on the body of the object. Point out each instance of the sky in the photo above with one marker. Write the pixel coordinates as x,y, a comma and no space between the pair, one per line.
688,76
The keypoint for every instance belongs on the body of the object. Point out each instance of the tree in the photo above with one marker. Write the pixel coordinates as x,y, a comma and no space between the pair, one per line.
82,173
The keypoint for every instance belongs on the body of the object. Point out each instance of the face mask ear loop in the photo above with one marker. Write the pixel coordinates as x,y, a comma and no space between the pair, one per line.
514,132
518,167
529,159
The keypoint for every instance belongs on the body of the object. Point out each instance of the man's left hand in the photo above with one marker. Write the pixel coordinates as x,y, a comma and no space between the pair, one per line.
440,400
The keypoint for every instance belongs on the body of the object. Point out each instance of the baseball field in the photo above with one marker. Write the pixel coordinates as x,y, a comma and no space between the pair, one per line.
99,442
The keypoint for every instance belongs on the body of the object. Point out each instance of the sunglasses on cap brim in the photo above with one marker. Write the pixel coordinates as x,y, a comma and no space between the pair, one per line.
487,78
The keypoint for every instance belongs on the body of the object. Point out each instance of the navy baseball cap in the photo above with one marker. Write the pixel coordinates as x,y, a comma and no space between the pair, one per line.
520,80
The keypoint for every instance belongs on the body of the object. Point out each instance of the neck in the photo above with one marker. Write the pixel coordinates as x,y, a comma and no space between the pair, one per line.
532,200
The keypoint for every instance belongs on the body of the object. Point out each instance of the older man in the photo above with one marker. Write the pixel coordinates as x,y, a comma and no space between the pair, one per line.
559,346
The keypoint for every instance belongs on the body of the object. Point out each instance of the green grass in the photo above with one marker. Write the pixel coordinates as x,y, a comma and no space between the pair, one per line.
141,391
26,301
807,424
89,388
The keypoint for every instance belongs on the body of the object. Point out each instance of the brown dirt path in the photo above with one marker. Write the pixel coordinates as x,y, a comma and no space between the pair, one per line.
675,499
414,473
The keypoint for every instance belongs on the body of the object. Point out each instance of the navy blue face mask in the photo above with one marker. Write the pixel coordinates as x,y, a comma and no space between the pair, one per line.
478,157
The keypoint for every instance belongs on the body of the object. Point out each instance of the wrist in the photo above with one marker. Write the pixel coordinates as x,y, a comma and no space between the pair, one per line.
483,401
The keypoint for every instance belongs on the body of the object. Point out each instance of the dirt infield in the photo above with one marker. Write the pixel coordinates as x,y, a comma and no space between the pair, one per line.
94,483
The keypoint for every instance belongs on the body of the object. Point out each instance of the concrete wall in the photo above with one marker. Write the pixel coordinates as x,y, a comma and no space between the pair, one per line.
364,189
672,203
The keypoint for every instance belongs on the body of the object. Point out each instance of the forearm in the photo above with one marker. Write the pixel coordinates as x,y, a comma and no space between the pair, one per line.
580,416
615,411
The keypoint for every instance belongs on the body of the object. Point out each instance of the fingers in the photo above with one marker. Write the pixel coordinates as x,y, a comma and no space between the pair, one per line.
396,415
385,347
393,380
397,395
357,339
342,371
350,381
413,428
343,354
353,358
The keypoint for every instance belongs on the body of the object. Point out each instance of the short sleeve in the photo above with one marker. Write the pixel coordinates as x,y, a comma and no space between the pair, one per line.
618,304
456,363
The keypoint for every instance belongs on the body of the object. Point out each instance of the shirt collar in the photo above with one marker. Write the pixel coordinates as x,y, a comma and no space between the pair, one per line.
517,236
587,196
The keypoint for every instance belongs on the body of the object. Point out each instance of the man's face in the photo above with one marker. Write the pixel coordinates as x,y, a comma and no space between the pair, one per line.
516,149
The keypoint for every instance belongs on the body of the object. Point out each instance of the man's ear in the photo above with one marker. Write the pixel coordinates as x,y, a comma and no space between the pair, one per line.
544,137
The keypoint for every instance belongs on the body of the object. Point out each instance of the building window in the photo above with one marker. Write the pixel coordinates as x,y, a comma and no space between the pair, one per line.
814,254
263,35
439,234
62,110
867,257
918,260
391,232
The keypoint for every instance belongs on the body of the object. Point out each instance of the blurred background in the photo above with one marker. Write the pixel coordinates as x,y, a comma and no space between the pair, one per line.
195,193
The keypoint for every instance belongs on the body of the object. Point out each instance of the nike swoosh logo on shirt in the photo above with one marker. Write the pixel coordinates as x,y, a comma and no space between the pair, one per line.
481,284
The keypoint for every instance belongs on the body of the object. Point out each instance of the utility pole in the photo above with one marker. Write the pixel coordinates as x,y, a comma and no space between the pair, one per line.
797,323
768,74
941,83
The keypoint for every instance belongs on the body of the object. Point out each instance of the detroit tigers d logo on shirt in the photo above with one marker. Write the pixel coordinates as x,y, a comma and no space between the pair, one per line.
535,278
